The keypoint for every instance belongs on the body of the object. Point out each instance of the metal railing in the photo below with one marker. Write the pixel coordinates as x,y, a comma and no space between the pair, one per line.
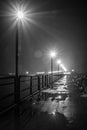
13,91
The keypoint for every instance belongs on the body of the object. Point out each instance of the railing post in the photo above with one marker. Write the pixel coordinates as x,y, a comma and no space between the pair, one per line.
17,90
48,79
45,81
42,81
39,83
31,85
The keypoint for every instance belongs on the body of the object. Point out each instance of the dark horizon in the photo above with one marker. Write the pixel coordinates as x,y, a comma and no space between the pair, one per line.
58,25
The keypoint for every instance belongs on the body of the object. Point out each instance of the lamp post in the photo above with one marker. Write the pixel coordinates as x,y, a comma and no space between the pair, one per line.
63,67
18,14
58,62
19,18
16,60
52,56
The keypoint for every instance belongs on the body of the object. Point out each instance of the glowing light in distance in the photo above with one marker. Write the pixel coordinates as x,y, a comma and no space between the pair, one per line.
63,67
58,61
52,54
27,72
73,70
40,72
53,72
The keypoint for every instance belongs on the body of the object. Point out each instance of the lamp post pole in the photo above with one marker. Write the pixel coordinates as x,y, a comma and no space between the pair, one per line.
51,65
17,55
52,55
58,63
58,68
52,70
17,81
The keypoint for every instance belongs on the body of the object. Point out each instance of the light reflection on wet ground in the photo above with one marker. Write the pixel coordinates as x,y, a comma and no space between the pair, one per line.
57,100
52,109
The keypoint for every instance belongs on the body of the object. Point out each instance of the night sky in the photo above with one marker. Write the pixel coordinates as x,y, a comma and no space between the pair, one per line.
58,24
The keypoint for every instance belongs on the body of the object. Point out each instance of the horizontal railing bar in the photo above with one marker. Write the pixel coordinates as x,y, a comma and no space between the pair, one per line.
7,77
7,96
7,109
4,84
25,89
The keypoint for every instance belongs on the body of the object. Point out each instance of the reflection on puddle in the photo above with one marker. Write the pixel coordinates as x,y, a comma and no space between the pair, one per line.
58,105
57,100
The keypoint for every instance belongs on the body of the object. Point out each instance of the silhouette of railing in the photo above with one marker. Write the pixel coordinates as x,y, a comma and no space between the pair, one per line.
13,91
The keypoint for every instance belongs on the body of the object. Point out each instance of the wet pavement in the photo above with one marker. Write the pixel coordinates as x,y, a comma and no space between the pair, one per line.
62,108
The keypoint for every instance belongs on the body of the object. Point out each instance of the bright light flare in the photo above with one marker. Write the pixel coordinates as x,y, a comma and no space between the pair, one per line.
52,54
58,61
63,67
73,70
20,14
27,72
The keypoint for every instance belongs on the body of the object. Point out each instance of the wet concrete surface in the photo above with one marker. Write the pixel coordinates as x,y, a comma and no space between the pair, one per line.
62,108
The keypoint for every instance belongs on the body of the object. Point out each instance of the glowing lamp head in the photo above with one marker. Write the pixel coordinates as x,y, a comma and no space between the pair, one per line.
63,67
52,54
20,15
58,61
73,70
27,72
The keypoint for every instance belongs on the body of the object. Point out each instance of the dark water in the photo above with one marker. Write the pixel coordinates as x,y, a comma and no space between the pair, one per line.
60,108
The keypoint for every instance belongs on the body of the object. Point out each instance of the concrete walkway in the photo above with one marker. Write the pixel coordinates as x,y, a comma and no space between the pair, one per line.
60,108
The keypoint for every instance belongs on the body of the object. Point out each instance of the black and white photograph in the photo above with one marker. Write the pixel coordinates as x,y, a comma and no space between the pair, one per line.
43,65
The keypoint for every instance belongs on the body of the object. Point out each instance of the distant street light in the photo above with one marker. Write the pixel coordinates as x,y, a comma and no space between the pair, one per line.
63,67
58,62
52,55
19,16
73,70
27,72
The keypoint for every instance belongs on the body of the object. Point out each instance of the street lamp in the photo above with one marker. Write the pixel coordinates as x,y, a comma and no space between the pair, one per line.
18,14
52,55
63,67
58,62
19,17
27,72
